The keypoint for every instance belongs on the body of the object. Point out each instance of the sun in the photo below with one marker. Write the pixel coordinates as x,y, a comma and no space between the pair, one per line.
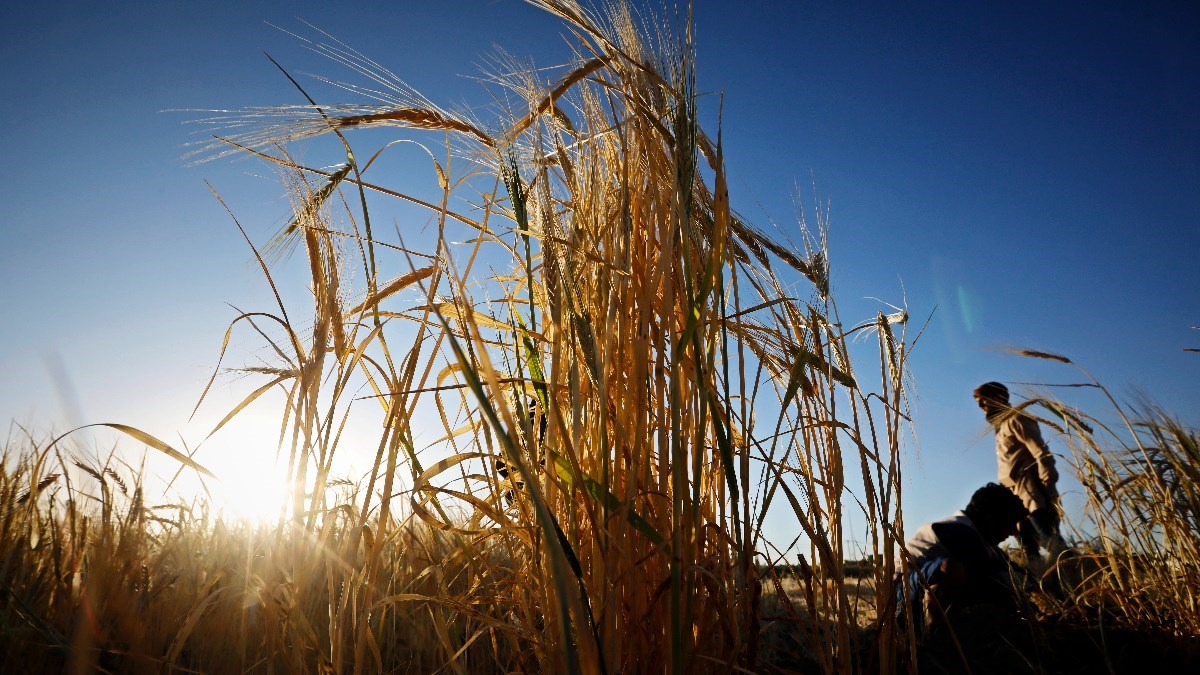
251,488
251,481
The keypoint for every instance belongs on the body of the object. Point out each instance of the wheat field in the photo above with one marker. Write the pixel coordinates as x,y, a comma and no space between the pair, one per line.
623,376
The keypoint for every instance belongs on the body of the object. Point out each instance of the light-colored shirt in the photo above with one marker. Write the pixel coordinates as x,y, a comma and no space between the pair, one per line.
1024,463
925,544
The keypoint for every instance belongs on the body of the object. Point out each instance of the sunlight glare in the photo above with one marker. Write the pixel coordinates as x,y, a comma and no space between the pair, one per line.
251,485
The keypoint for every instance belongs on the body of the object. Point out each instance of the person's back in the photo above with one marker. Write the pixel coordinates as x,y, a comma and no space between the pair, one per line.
956,563
983,571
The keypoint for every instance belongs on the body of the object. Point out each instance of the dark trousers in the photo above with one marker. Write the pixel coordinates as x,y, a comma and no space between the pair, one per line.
1038,530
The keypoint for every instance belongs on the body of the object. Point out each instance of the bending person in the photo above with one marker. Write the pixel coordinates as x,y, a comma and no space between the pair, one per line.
957,563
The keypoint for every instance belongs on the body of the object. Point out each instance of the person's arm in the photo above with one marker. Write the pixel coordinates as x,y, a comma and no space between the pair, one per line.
1029,434
945,587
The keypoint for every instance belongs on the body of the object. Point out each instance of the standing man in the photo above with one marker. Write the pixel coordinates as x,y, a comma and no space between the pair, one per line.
1026,467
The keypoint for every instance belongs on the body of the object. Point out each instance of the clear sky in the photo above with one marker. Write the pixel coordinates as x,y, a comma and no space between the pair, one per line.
1031,171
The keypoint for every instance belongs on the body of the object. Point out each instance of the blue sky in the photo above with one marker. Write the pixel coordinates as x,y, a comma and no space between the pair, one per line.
1031,171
